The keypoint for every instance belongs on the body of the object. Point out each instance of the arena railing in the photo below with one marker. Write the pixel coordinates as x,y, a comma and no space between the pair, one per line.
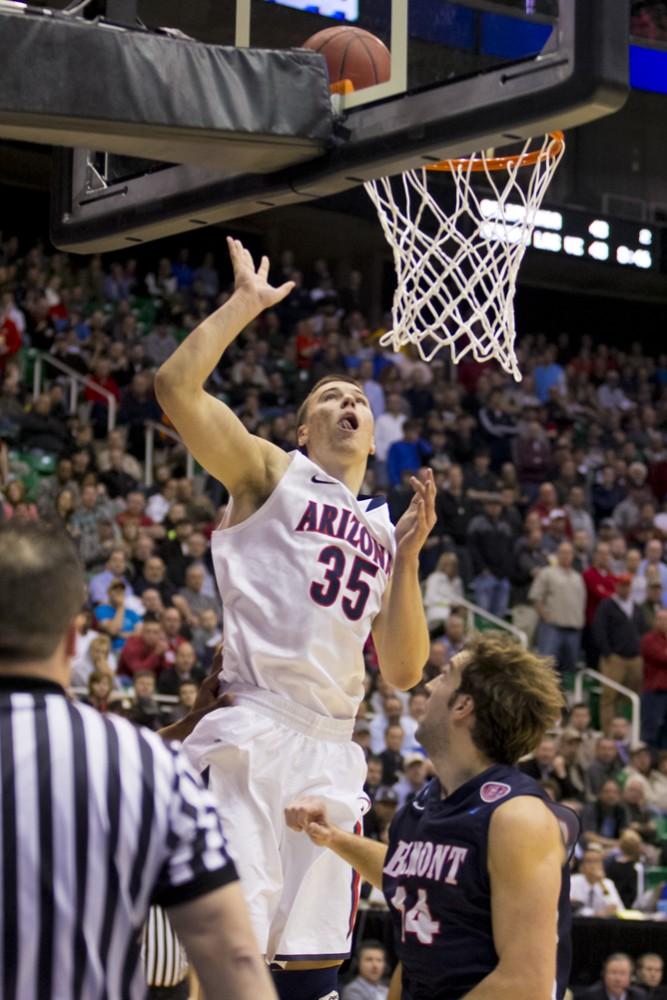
632,696
475,612
76,382
127,694
151,428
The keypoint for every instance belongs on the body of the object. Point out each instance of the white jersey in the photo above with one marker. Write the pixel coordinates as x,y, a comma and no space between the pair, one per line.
301,581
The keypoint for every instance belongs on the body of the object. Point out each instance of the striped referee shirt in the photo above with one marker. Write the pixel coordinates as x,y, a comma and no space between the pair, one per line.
162,954
97,820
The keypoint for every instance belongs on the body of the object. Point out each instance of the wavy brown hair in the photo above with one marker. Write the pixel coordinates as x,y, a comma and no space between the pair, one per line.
517,697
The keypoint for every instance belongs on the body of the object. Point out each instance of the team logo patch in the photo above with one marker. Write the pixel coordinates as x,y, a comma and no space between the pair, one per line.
494,790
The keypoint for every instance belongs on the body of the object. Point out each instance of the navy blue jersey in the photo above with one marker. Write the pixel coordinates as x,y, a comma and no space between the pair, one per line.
436,883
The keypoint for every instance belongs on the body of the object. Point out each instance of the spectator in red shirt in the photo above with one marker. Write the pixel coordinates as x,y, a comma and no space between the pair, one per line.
172,623
307,343
654,695
547,500
102,377
144,652
10,341
135,510
600,582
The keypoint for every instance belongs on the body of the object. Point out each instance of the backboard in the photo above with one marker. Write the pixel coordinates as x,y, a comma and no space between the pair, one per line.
464,75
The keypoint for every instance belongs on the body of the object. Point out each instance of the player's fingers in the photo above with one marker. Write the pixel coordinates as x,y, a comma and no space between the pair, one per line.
233,253
317,832
421,514
419,488
263,269
292,819
284,290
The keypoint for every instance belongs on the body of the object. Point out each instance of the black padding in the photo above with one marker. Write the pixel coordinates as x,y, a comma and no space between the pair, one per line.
72,82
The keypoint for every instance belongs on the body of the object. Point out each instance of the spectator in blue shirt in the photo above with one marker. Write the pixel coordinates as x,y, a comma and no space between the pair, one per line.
548,375
408,454
115,618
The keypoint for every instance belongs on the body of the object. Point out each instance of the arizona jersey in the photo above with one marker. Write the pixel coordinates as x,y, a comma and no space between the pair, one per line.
436,883
301,581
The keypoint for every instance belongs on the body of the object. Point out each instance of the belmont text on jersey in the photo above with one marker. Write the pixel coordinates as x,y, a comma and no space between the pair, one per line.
438,862
341,523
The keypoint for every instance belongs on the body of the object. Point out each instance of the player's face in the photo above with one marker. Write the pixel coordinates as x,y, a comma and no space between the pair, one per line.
340,419
433,732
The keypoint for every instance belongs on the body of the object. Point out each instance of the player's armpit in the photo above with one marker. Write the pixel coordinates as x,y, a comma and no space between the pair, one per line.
219,441
525,857
216,932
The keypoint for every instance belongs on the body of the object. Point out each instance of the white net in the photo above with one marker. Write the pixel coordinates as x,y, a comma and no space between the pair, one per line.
456,270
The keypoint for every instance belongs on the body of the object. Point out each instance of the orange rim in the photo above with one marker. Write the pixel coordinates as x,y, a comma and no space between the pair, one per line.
553,150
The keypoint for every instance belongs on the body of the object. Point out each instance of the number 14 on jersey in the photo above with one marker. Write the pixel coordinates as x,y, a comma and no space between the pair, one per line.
416,920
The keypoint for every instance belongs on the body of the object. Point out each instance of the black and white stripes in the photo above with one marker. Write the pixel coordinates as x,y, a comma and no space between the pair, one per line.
97,820
163,957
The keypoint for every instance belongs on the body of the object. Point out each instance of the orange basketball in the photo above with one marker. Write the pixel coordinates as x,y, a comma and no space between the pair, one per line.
352,54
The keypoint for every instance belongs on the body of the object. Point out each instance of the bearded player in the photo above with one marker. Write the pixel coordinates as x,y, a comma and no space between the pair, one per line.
306,570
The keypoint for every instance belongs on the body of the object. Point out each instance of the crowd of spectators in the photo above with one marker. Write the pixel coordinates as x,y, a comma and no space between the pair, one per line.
551,513
649,20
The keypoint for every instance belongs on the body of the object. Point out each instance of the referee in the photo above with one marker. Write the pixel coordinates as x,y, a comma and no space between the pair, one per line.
98,819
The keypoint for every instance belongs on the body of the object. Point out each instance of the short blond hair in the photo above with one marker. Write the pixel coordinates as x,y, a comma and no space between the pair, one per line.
302,412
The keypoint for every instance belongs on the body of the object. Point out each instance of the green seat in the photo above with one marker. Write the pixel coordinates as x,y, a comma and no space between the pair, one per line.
661,827
653,877
45,465
40,462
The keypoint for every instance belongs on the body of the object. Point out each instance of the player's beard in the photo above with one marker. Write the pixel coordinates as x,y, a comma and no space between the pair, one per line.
433,735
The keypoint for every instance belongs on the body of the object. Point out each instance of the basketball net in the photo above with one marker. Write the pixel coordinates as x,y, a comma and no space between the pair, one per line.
456,272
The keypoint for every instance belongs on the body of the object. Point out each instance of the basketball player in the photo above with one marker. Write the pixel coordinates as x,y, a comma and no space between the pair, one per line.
305,570
476,870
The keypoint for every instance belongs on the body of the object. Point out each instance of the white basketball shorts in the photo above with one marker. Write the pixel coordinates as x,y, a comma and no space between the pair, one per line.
262,754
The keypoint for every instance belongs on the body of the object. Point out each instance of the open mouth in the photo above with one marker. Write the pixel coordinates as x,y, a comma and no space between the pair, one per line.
348,422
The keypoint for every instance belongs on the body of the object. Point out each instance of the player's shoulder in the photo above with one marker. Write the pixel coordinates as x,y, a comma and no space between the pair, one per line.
524,823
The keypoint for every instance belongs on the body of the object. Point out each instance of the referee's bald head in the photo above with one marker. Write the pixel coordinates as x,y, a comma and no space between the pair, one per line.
41,591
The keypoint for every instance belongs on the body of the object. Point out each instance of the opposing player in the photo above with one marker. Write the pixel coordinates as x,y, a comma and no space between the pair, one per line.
475,873
305,570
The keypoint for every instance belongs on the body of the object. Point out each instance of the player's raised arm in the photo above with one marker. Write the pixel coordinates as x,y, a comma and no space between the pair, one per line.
211,430
400,631
525,858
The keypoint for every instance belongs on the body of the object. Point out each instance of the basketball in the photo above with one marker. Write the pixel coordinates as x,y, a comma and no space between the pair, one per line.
352,54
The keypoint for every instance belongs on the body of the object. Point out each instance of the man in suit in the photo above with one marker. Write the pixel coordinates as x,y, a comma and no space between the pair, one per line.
650,969
615,982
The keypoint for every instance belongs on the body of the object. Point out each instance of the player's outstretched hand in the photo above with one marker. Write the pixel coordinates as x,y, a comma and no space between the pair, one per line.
309,815
206,701
253,282
419,519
